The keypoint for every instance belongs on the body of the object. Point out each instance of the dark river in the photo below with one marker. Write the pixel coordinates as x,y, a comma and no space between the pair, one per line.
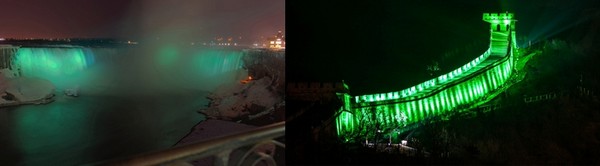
87,129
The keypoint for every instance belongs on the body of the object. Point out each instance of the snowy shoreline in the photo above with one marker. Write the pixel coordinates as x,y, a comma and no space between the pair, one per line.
15,91
260,95
242,105
242,100
4,103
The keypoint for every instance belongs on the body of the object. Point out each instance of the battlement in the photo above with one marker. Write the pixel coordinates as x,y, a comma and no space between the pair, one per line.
500,22
490,17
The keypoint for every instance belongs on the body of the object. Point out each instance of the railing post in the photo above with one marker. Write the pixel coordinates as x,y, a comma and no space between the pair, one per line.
222,158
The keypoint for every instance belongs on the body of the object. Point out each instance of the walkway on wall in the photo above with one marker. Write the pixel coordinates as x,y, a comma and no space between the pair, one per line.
498,50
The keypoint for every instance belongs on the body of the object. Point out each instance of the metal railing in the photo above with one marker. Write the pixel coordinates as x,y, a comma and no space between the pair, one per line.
220,148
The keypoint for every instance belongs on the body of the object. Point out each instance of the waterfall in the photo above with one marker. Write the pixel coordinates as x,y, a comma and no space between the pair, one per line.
130,70
6,56
198,67
61,66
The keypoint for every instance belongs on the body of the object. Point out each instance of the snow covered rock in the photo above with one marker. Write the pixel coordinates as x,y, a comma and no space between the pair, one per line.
30,89
72,91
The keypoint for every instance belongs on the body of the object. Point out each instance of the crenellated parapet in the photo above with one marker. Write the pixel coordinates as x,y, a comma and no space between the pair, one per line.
497,16
500,21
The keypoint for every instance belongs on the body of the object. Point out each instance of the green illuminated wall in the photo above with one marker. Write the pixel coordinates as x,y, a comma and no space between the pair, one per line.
441,102
452,91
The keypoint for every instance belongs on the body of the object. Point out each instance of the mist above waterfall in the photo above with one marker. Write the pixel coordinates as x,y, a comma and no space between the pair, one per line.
117,71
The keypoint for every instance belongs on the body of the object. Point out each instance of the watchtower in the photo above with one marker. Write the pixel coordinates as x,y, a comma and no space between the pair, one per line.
500,22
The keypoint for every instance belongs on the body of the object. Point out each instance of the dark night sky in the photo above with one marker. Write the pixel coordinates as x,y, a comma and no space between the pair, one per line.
140,18
381,46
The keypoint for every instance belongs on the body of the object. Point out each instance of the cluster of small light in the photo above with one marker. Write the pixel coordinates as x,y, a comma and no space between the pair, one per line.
440,101
277,44
217,44
47,39
227,44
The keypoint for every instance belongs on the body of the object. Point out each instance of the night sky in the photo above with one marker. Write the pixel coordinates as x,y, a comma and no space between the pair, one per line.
383,46
134,19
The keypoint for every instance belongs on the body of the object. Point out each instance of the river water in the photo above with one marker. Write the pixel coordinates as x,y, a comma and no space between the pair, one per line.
86,129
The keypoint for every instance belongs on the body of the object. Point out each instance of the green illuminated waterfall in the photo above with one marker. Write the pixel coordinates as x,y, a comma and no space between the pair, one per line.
130,69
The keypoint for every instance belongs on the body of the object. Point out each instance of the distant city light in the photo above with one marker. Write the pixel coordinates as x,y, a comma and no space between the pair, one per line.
277,42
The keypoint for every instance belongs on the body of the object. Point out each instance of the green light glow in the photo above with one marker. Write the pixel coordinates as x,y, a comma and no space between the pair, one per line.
411,108
460,94
61,66
167,55
443,98
214,62
452,99
428,106
437,103
420,109
471,87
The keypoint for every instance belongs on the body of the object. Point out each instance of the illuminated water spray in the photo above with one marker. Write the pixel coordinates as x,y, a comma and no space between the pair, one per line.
453,91
129,69
62,66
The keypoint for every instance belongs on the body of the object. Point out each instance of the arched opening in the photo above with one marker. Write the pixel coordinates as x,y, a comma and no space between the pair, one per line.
507,27
498,27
